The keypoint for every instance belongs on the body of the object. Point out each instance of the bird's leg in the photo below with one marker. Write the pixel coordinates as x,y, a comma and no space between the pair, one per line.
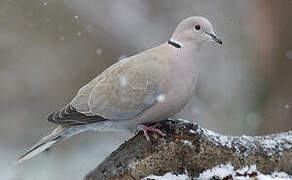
151,128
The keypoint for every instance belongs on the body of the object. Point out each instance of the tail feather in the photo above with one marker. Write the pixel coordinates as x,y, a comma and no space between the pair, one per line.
57,135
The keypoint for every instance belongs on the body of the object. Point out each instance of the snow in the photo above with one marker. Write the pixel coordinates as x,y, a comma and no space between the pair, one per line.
160,98
187,142
221,171
271,145
181,120
168,176
98,51
123,81
224,170
192,131
277,144
217,139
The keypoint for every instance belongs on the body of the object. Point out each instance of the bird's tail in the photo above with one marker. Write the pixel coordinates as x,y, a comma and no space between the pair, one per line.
60,133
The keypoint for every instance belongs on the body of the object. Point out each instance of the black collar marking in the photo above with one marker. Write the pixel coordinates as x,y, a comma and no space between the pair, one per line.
174,44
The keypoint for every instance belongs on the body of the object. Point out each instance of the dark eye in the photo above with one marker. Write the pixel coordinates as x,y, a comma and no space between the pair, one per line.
197,27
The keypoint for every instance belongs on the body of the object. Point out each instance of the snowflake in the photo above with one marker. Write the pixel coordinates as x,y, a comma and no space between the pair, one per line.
160,98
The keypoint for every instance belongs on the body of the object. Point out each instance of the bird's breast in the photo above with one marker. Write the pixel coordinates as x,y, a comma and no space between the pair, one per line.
180,84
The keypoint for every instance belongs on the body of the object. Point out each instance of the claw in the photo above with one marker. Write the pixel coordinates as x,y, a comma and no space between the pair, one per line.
153,129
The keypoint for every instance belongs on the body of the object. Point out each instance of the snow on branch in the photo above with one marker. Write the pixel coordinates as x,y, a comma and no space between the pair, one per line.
190,149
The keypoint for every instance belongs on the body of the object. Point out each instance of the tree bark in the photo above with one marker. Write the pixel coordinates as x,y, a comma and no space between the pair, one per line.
192,149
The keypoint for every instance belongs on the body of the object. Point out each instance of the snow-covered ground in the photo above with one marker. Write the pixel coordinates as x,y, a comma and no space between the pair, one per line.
226,172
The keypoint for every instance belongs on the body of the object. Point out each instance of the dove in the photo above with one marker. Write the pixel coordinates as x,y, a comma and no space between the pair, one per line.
136,91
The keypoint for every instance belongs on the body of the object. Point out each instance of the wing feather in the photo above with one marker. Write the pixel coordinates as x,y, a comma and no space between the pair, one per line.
122,91
69,116
127,91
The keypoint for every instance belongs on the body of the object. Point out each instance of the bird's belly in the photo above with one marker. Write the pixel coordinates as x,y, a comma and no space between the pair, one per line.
171,103
180,95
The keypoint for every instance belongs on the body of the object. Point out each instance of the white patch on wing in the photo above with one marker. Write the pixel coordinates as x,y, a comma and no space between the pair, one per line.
123,81
160,98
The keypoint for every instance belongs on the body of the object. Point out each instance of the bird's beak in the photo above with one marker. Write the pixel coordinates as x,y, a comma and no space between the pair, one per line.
215,38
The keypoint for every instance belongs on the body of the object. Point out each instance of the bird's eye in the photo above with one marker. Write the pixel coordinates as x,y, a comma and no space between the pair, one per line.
197,27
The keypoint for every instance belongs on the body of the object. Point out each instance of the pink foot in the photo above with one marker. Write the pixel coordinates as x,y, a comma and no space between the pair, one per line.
151,128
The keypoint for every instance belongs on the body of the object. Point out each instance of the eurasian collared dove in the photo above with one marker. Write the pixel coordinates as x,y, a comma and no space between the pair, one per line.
145,88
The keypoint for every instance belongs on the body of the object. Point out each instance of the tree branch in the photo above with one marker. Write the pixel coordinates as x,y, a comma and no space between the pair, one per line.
192,149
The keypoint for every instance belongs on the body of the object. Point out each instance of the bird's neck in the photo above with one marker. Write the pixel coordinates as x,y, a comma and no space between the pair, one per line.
174,44
184,57
187,46
190,49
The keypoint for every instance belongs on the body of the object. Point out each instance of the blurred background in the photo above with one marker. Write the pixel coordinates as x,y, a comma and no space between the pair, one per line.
51,48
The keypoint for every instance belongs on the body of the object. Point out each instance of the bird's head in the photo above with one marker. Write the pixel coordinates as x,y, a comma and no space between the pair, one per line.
194,30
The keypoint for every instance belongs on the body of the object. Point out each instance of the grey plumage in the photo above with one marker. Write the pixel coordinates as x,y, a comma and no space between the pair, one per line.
145,88
69,116
57,135
121,91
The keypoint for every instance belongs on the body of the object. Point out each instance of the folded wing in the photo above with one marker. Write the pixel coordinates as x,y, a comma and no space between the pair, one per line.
121,92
